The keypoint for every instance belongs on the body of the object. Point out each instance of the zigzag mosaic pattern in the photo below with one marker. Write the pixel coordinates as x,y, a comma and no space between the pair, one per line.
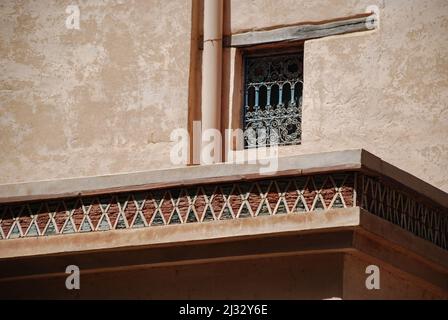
195,204
238,200
425,220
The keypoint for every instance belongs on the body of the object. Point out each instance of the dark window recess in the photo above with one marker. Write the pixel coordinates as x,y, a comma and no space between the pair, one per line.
273,100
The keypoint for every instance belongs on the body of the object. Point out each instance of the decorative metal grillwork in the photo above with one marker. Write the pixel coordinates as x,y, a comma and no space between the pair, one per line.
273,100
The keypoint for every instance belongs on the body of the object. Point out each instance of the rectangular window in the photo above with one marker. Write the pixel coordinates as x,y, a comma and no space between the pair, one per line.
272,111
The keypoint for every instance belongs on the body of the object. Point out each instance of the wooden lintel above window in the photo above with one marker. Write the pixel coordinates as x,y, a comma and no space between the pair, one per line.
301,32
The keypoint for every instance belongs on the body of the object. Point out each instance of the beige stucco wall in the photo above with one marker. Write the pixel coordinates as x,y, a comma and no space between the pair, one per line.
104,99
99,100
385,91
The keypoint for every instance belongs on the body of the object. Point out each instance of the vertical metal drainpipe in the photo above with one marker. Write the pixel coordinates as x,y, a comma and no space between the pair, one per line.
212,67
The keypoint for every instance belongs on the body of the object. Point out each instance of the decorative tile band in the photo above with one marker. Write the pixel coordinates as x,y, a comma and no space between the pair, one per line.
412,213
191,204
237,200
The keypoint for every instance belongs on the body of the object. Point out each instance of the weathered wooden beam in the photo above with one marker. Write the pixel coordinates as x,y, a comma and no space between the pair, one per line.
300,32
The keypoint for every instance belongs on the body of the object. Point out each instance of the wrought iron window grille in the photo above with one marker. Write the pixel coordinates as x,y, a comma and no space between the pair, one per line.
272,112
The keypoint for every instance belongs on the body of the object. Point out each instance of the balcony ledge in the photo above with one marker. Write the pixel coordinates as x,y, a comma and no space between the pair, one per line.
357,159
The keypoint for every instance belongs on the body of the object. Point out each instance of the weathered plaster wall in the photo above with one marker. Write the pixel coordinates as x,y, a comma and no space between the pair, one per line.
260,14
99,100
104,99
384,90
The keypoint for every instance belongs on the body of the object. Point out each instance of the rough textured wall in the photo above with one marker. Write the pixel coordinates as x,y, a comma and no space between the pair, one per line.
259,14
385,91
99,100
104,99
